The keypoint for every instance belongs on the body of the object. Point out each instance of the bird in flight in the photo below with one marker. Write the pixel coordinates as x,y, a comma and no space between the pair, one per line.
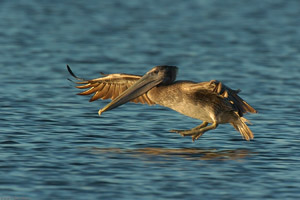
211,102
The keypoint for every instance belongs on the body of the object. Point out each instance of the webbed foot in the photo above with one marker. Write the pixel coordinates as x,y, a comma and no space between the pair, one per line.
193,132
196,132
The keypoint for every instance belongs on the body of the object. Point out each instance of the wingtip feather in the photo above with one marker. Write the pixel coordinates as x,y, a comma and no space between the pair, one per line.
72,73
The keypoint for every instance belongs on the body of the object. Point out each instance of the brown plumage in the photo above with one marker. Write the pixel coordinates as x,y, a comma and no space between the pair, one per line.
212,102
110,86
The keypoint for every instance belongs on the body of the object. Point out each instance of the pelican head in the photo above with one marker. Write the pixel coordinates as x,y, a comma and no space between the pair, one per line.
159,75
167,74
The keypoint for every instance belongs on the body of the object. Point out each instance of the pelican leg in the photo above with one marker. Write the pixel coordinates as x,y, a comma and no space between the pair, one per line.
197,132
204,124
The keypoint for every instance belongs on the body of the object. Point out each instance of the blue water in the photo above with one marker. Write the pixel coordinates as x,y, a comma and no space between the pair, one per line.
53,145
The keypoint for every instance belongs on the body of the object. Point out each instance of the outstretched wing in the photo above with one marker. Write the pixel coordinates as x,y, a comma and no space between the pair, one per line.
238,104
109,86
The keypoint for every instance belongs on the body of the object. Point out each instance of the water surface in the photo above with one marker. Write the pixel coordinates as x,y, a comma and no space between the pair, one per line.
53,145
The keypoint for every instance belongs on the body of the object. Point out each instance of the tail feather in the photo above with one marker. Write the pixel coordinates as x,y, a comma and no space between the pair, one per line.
242,127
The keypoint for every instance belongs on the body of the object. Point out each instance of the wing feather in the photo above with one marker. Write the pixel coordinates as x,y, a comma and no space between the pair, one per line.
237,103
85,86
109,86
93,88
107,91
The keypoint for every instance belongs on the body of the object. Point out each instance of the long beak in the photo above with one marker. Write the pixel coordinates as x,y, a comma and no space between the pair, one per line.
143,85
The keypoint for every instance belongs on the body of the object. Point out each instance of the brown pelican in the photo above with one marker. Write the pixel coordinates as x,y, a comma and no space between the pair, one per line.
212,102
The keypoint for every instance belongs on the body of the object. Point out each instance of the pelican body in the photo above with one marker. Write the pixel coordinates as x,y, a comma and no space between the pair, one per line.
211,102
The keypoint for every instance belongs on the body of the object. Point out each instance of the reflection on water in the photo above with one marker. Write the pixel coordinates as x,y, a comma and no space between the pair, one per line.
186,153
